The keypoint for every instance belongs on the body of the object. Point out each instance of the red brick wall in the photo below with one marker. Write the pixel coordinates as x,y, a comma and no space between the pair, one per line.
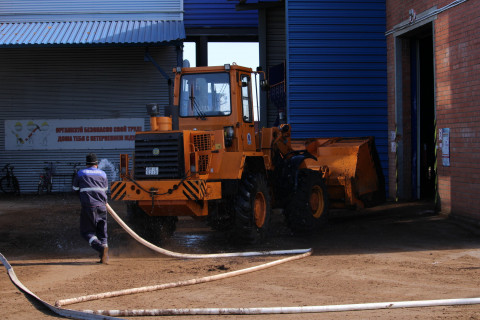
457,79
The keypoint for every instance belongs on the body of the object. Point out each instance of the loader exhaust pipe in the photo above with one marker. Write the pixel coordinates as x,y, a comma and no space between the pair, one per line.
173,113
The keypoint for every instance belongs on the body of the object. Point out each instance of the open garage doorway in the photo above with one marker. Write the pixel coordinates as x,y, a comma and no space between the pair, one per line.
422,113
416,114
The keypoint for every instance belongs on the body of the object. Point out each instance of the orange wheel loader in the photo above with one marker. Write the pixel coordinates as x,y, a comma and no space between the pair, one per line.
207,159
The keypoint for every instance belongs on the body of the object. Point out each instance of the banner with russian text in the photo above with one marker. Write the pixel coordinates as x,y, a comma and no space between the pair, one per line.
57,134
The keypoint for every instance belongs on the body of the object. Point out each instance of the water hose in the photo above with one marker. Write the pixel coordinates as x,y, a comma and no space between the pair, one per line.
239,311
73,314
283,310
198,256
303,253
111,294
111,314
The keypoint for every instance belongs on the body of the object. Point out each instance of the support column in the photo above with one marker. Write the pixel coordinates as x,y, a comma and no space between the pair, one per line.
262,45
201,50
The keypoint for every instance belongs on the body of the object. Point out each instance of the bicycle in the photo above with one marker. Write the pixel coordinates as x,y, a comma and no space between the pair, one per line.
9,183
46,179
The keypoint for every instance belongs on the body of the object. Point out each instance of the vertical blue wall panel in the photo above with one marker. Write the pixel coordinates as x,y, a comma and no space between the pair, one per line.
337,70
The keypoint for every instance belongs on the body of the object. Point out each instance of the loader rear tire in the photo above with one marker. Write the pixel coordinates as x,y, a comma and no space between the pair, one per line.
152,228
307,210
252,209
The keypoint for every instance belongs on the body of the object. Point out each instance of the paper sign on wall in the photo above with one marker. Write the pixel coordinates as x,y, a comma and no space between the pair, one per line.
57,134
445,136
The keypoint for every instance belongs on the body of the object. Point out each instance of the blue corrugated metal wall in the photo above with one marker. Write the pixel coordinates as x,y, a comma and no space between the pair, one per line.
337,70
217,14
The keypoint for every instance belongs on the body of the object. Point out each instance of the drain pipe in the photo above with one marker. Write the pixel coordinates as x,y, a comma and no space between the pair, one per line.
198,256
286,310
171,111
148,58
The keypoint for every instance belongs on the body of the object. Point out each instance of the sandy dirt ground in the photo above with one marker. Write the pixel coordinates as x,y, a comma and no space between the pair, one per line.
396,252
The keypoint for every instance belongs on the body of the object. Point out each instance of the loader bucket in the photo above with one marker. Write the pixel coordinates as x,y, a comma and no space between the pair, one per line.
351,169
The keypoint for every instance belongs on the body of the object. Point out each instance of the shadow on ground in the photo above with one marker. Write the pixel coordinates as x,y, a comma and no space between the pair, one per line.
48,225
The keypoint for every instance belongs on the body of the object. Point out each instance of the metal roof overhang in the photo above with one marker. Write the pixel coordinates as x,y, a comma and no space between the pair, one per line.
81,33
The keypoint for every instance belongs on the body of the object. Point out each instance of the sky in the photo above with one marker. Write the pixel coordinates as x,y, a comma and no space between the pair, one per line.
219,53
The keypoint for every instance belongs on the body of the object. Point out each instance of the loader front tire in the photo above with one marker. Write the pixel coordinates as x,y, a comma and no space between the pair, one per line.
252,208
152,228
307,210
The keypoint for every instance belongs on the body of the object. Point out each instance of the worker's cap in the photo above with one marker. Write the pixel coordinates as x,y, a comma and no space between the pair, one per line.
92,159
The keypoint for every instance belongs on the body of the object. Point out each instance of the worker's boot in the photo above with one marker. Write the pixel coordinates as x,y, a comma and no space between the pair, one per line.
102,250
104,254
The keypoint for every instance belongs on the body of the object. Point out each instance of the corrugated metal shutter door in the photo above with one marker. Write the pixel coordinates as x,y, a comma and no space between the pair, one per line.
336,70
76,83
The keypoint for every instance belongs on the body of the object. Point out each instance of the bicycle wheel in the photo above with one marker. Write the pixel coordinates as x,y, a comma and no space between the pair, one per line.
41,186
49,187
7,185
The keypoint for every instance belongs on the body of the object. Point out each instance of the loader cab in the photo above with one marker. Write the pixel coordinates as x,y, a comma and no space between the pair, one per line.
217,98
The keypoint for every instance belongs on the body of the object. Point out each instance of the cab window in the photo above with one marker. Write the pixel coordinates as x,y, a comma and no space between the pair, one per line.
206,94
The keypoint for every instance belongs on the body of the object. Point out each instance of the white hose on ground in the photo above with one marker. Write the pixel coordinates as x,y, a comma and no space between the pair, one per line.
283,310
198,256
109,314
118,293
67,313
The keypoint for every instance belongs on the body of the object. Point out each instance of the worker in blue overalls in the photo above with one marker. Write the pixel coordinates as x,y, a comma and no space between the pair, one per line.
92,185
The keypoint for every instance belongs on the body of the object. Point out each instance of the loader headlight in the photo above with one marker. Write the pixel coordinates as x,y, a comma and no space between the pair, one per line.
228,133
